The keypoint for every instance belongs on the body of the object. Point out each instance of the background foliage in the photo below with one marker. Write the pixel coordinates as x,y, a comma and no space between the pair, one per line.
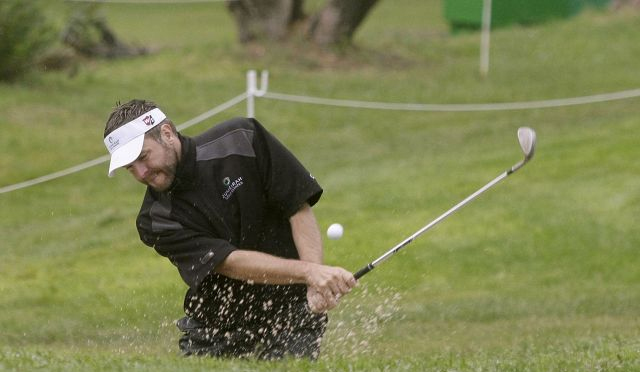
24,34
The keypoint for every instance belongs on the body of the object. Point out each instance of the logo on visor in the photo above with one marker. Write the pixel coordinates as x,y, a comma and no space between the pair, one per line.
113,143
148,120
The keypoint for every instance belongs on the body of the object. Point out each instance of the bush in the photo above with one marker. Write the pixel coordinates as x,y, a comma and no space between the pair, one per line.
89,35
24,34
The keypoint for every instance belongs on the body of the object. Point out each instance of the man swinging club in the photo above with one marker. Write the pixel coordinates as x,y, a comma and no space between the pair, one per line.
231,209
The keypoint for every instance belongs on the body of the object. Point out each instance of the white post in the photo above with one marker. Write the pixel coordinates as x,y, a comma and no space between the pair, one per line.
253,91
264,83
485,39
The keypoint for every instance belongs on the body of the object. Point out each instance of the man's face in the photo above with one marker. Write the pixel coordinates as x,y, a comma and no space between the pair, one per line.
156,164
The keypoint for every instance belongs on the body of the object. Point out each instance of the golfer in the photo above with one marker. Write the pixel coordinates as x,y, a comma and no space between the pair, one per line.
231,209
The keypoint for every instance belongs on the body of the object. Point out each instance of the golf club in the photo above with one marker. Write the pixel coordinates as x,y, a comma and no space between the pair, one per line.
527,139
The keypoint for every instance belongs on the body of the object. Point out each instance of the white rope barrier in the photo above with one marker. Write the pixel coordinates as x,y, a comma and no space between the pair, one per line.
633,93
214,111
103,159
53,176
253,91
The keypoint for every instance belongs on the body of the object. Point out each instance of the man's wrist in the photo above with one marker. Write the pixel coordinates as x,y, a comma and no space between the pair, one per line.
306,271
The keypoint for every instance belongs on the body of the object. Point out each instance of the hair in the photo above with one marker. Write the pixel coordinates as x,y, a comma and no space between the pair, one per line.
124,113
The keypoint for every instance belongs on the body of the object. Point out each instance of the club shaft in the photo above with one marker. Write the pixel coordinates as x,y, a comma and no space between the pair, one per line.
446,214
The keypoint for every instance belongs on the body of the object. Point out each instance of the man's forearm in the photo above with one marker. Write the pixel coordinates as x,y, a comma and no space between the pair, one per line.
263,268
306,235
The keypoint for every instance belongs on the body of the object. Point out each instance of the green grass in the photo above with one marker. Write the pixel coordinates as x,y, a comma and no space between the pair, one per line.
539,274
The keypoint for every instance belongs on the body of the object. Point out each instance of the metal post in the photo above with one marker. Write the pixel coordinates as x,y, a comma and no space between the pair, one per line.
251,89
485,40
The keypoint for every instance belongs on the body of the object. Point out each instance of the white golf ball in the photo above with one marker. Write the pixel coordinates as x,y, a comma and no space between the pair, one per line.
335,231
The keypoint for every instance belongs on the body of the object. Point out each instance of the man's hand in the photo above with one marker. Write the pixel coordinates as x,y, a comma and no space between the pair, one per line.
326,285
316,302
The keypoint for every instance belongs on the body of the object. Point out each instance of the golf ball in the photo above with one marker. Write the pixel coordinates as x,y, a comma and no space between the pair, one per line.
335,231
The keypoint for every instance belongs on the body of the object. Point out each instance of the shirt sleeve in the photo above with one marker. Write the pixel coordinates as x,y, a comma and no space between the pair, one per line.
288,184
194,253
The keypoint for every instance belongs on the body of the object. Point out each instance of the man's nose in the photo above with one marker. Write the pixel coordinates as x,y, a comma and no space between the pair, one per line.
138,169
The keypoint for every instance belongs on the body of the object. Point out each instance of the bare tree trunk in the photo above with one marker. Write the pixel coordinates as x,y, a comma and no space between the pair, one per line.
337,21
618,4
265,19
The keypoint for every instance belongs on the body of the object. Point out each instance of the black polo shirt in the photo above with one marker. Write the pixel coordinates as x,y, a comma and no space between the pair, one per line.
236,187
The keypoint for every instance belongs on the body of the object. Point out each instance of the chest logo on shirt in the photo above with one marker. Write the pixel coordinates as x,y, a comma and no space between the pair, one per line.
231,186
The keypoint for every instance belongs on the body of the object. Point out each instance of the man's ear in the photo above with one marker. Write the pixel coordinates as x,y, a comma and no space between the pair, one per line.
167,132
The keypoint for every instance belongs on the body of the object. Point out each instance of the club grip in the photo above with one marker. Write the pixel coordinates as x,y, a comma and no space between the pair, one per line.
363,271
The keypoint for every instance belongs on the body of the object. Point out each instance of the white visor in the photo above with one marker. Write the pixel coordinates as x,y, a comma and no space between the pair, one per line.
125,143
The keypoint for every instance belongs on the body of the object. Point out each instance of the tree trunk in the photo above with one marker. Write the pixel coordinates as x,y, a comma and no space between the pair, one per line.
338,20
265,19
273,19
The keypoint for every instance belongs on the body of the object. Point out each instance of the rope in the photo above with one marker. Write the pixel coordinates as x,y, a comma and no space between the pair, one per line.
633,93
626,94
103,159
55,175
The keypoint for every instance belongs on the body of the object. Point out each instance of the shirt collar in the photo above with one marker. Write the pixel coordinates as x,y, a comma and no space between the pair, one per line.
186,169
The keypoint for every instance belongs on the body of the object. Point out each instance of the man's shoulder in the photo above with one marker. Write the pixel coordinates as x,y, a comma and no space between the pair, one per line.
150,197
222,129
232,137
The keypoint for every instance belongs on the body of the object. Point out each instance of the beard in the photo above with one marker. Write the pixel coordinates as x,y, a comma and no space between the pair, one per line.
161,178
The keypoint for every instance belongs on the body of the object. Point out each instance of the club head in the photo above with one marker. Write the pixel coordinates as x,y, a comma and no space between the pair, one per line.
527,139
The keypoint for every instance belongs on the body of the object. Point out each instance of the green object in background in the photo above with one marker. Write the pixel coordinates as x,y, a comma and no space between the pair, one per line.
467,14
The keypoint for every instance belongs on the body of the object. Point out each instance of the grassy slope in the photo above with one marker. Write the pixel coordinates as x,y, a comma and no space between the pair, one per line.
539,274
